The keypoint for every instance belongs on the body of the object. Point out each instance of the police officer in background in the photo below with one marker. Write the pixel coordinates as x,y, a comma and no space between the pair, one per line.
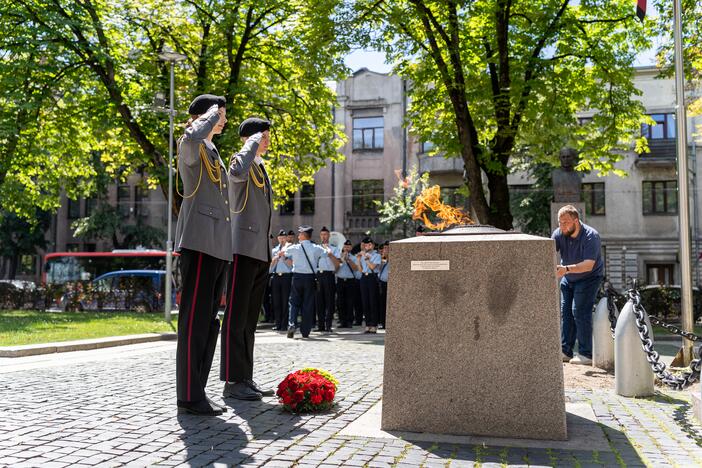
346,286
305,256
383,281
369,260
291,237
281,272
326,269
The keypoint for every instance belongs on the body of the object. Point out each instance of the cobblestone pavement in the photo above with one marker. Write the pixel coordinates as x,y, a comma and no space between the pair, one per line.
118,408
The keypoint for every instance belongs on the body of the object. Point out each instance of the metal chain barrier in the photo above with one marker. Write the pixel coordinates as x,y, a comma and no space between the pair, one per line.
611,294
673,381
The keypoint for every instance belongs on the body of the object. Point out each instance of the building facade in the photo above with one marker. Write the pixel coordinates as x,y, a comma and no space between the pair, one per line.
637,215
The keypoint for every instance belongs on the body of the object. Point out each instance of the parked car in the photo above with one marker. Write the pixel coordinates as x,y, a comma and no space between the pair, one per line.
135,290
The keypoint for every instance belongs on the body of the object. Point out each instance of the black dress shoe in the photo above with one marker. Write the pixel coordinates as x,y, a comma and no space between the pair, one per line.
200,408
254,386
319,330
291,332
240,391
217,405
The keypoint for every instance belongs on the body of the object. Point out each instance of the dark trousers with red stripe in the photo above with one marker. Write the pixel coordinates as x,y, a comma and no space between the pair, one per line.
203,279
247,283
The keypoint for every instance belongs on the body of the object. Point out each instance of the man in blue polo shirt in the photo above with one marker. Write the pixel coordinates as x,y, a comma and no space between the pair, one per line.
580,272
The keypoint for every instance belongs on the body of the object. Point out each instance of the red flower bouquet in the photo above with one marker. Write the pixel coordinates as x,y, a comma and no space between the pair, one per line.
307,390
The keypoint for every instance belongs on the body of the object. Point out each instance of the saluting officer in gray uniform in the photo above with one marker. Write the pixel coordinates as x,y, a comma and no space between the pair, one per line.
281,272
250,201
326,269
203,238
305,256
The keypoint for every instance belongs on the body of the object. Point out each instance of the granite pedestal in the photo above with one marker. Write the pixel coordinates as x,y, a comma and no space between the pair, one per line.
473,336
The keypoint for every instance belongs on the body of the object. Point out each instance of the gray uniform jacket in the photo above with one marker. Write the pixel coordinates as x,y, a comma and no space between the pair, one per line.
204,222
251,205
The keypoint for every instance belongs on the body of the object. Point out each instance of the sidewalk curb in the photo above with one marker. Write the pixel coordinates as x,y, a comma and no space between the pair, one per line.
82,345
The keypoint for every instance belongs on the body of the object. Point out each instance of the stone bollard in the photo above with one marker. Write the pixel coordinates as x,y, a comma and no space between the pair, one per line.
602,341
633,376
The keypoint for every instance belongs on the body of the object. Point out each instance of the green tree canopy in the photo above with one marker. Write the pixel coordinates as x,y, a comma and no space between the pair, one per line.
494,78
79,77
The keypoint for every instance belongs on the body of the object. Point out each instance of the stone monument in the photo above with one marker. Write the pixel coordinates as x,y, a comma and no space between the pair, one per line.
566,186
473,339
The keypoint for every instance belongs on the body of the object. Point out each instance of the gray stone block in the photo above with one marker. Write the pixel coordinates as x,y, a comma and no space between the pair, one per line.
475,348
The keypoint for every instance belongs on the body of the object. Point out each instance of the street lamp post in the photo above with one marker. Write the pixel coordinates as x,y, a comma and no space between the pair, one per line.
168,55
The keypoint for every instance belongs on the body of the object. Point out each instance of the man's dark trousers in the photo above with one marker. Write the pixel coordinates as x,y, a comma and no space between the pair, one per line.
370,296
247,284
577,301
268,315
281,284
325,299
204,278
357,302
302,300
345,289
382,305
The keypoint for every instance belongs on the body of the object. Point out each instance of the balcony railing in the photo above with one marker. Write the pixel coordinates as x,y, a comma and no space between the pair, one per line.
662,153
440,165
356,224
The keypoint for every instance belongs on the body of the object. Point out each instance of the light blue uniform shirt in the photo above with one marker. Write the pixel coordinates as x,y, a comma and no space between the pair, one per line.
325,263
300,264
345,271
280,266
375,259
383,274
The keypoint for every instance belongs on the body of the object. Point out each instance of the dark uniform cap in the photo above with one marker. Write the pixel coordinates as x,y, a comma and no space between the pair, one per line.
420,229
282,232
253,125
324,229
203,102
348,242
386,243
305,229
367,240
291,232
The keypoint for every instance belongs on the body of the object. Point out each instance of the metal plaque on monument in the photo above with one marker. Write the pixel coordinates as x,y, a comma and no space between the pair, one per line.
473,337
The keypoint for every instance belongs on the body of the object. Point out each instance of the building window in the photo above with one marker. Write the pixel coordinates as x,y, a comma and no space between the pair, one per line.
368,133
90,205
123,200
593,195
664,128
584,120
364,193
73,209
307,199
426,146
288,208
660,197
72,247
141,202
89,247
660,273
27,265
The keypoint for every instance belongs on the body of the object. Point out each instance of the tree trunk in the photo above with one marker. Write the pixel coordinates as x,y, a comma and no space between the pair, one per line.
14,262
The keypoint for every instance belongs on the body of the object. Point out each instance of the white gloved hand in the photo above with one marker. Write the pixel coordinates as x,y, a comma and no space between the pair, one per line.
257,137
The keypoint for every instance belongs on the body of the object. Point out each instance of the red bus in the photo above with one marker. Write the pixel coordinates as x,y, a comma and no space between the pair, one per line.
63,267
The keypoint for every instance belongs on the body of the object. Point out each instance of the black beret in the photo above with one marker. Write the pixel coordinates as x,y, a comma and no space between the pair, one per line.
305,228
386,243
420,229
324,229
282,232
253,125
348,242
203,102
291,232
367,240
